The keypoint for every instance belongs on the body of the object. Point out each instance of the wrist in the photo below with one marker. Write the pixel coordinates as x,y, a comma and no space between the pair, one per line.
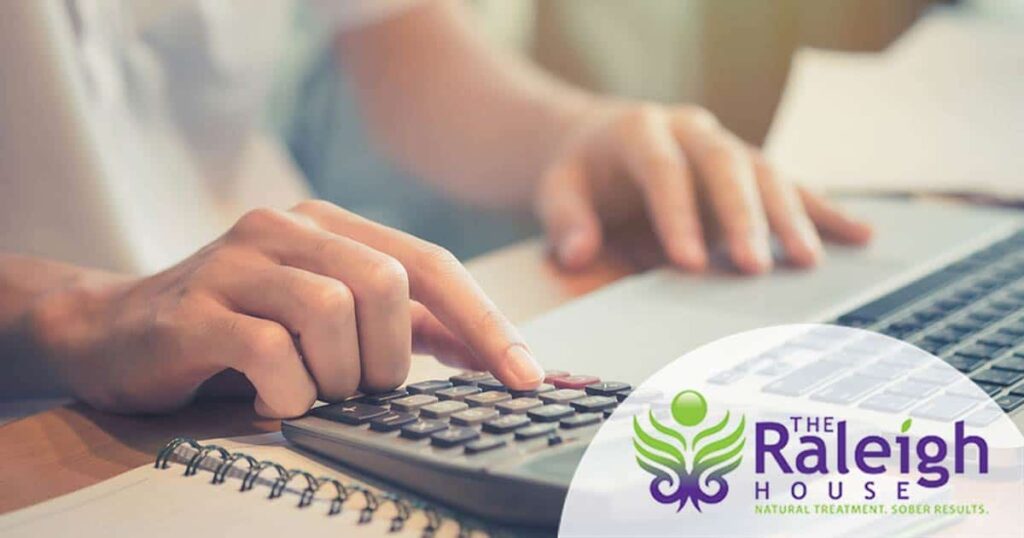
63,324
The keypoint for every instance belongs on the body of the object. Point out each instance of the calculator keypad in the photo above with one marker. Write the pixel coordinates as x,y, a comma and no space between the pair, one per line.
476,413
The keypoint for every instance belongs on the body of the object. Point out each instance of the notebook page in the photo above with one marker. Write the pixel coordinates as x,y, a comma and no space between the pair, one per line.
160,503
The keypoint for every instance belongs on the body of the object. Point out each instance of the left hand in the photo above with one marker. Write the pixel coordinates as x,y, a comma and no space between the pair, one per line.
684,171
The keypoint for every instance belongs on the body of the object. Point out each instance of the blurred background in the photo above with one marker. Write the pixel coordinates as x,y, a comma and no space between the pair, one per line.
728,56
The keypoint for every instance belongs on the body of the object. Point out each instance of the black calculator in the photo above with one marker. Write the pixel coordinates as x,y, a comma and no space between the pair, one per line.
469,442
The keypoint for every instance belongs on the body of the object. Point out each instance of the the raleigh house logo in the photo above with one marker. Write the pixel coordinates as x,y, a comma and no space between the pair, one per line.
689,461
689,468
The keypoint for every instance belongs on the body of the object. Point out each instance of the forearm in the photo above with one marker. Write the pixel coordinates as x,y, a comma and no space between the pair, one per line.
26,284
477,122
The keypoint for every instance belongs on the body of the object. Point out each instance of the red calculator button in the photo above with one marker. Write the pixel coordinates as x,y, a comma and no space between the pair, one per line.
578,382
553,374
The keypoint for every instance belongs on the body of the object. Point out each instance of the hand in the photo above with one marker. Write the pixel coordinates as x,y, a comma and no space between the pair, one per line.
678,167
314,302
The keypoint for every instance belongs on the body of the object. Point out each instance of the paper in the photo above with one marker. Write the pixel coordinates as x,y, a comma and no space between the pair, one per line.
942,110
158,503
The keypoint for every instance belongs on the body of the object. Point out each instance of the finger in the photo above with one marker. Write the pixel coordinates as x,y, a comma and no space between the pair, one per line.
317,310
833,222
431,337
378,283
786,215
263,350
567,212
442,284
727,176
656,162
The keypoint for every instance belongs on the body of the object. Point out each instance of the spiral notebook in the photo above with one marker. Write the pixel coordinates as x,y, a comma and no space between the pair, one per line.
247,486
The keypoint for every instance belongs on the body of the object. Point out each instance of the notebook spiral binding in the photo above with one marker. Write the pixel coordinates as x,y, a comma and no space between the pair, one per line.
404,508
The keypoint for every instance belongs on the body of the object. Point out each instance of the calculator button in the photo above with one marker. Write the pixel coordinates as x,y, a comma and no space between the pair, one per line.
457,392
518,405
505,424
553,374
453,436
554,440
491,384
442,409
474,416
391,421
583,419
549,413
537,430
591,404
544,387
349,412
412,403
562,395
574,381
607,388
428,387
623,394
487,399
423,428
383,398
483,445
469,378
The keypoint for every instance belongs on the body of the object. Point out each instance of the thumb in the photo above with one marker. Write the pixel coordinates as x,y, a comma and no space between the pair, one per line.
566,209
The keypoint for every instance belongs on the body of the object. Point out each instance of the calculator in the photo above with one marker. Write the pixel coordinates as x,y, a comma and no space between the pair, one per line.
469,442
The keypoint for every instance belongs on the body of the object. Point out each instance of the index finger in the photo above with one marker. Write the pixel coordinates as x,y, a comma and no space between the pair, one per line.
439,281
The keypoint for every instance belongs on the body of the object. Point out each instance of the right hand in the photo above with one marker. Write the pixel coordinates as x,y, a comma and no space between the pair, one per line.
315,302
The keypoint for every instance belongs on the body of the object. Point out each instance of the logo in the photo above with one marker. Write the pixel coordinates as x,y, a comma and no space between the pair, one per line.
689,468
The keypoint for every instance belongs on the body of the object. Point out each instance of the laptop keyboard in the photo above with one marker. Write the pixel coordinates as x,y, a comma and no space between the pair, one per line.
969,313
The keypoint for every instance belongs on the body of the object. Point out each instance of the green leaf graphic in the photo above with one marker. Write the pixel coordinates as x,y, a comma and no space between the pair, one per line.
670,456
906,425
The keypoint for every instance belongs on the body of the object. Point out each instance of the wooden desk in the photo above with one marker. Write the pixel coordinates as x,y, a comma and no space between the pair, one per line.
65,449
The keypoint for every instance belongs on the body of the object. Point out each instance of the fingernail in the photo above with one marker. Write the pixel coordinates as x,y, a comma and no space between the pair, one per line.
570,249
809,237
523,366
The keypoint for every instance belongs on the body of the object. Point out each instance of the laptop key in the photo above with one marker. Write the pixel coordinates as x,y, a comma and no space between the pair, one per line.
888,402
353,413
936,375
945,407
549,413
965,364
1015,363
913,388
806,378
995,376
848,389
999,340
979,350
453,436
428,387
1010,402
485,444
423,428
391,421
505,424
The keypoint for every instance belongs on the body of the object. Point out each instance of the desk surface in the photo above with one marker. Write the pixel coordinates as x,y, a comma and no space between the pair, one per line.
67,448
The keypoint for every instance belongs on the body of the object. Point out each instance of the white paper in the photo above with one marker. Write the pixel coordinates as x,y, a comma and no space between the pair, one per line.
942,110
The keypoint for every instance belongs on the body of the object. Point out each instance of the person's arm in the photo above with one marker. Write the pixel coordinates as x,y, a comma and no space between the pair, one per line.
315,302
491,129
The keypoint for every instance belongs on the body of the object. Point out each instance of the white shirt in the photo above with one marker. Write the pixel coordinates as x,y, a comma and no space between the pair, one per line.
133,136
